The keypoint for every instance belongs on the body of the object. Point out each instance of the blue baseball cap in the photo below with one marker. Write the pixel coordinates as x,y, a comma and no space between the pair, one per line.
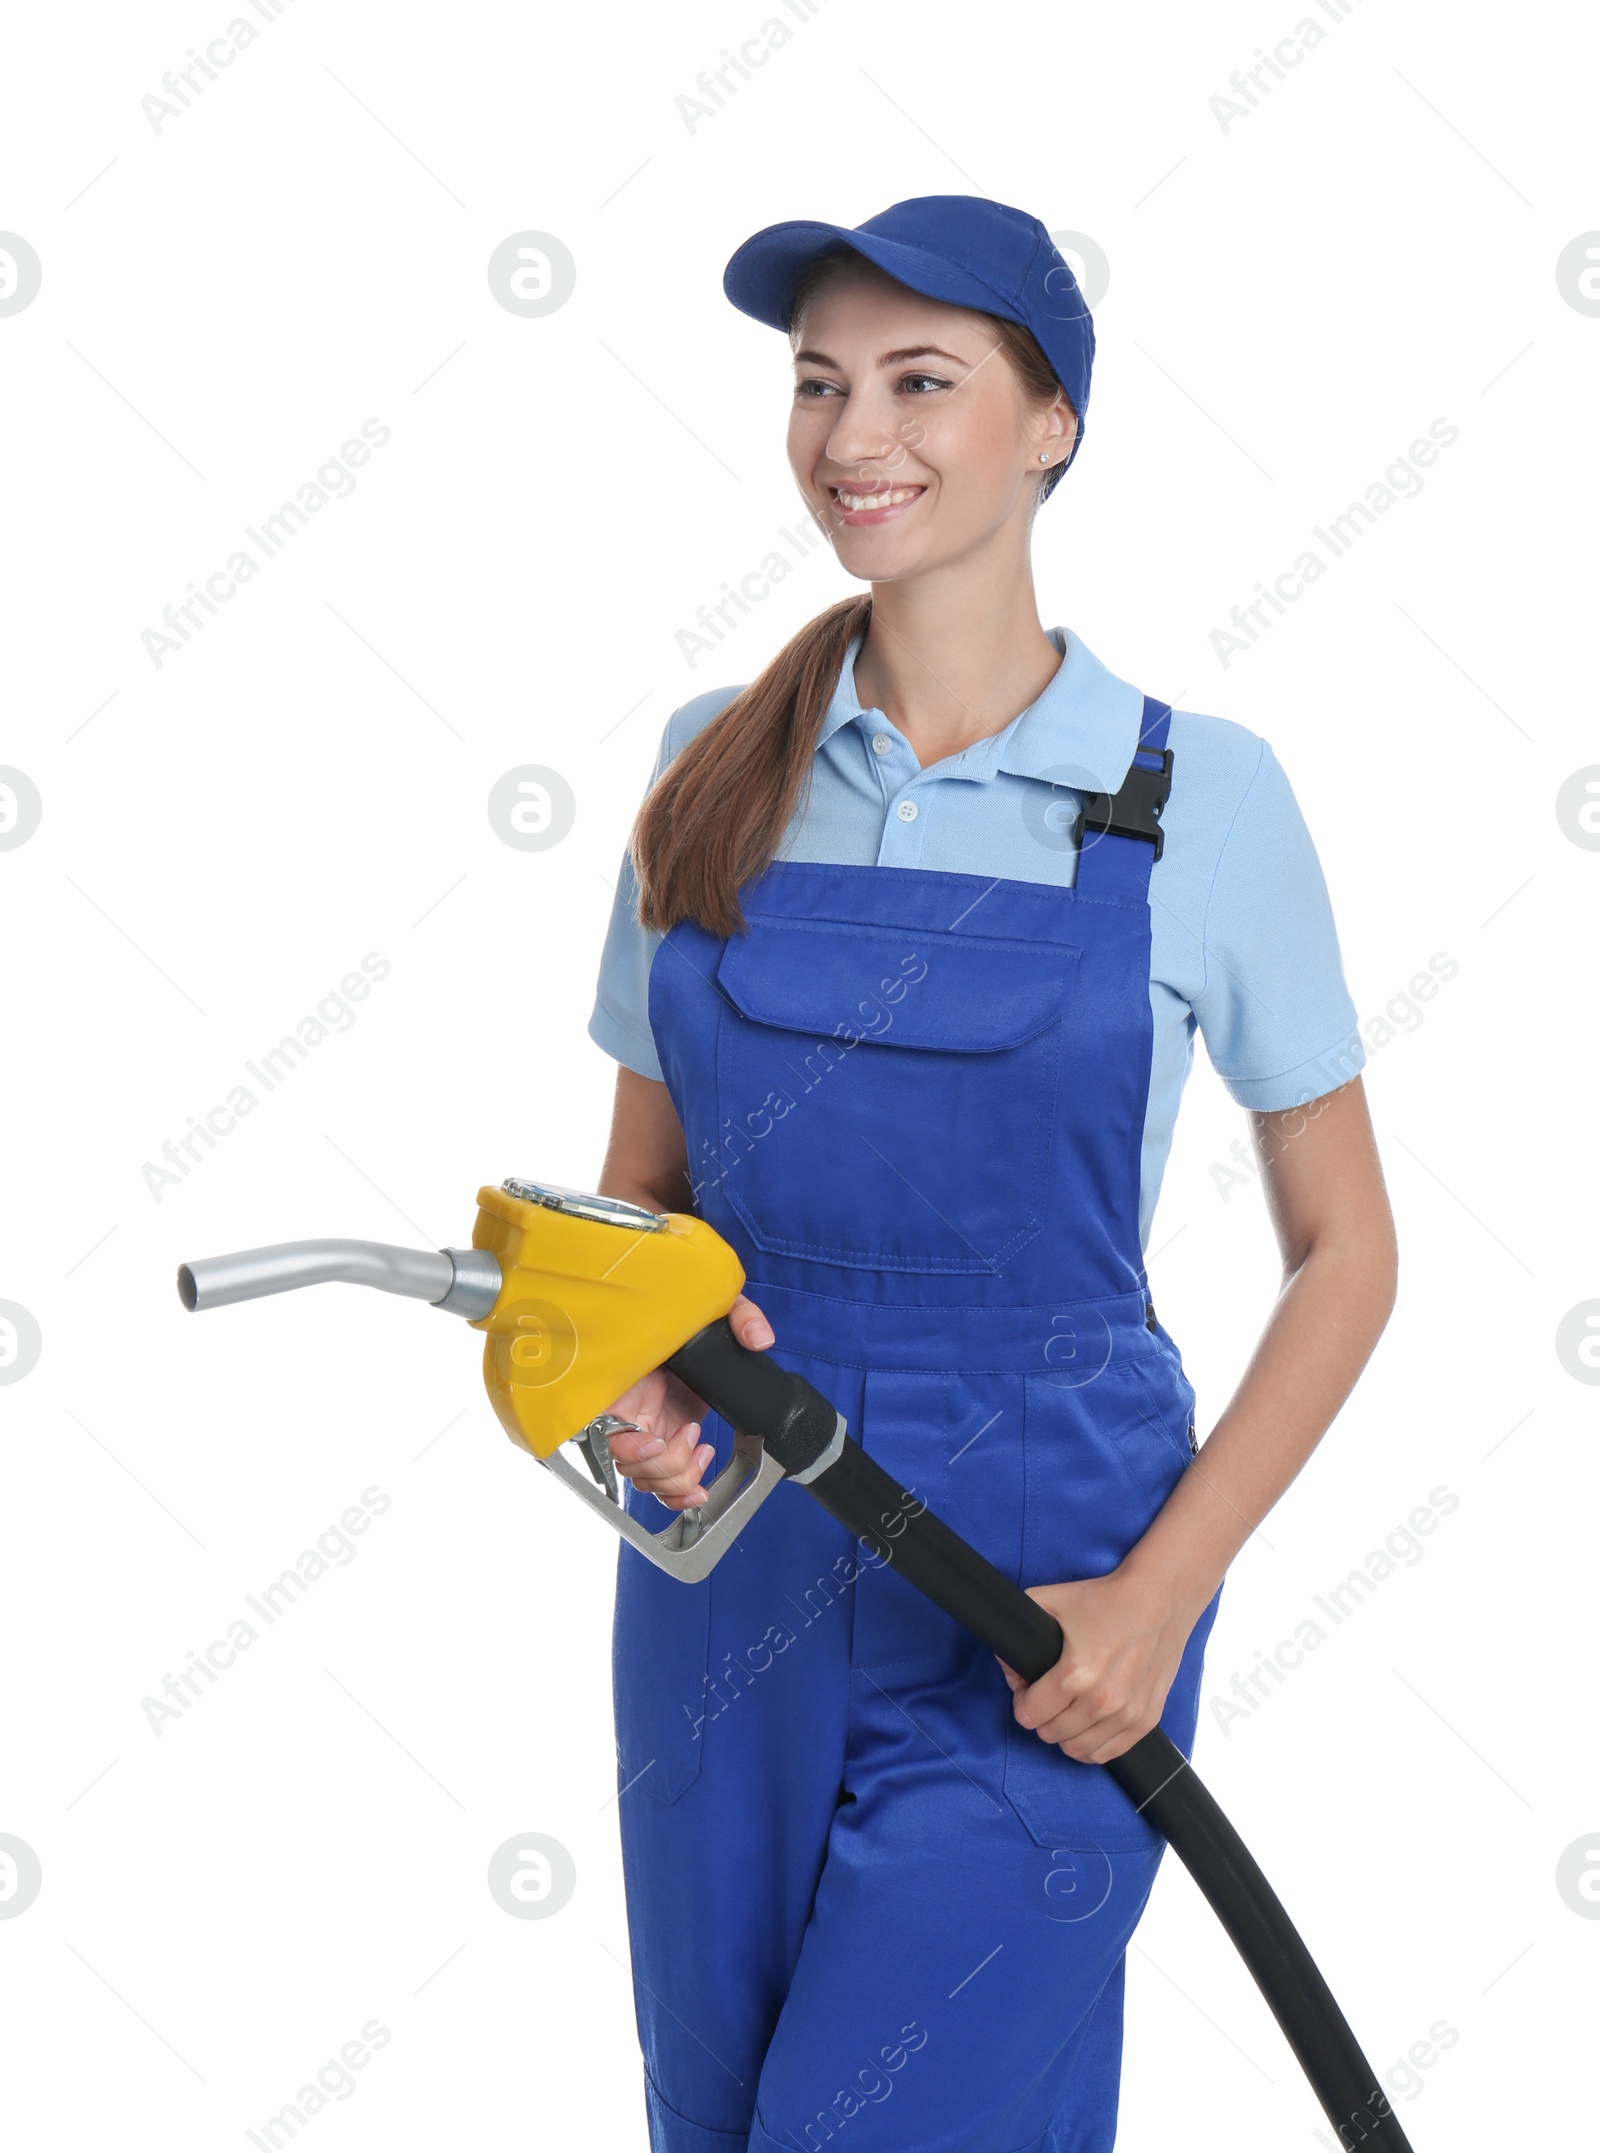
961,248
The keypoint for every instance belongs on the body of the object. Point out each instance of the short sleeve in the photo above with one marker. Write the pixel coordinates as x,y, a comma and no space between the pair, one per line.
619,1023
1273,1009
620,1020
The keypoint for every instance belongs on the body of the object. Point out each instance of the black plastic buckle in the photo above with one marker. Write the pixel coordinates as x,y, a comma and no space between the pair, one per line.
1134,810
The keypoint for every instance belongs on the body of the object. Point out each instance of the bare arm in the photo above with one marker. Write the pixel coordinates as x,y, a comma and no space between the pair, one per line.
647,1162
1325,1194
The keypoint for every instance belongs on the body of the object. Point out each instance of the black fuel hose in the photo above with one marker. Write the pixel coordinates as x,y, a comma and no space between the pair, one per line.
801,1430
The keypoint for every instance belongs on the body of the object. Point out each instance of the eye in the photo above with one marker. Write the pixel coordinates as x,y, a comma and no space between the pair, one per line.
920,384
813,382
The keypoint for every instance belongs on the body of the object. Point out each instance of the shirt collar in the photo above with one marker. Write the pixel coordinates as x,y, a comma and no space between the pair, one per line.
1080,731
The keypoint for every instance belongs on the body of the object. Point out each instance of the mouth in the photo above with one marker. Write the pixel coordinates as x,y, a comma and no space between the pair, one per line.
872,504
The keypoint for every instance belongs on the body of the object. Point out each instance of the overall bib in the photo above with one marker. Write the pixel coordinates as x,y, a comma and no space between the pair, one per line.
867,1910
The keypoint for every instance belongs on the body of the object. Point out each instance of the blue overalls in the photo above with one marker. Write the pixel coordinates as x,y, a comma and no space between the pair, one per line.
868,1911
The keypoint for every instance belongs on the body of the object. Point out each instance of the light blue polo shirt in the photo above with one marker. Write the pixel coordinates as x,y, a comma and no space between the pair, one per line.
1243,946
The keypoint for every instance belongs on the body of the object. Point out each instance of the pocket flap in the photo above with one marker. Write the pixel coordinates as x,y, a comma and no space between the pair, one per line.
902,986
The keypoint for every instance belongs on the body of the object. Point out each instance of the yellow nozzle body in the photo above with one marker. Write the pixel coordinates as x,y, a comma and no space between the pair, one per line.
587,1308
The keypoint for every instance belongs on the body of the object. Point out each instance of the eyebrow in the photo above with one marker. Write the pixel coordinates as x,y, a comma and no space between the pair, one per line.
887,358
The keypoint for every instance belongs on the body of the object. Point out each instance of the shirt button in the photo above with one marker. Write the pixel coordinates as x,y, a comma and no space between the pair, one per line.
881,743
907,810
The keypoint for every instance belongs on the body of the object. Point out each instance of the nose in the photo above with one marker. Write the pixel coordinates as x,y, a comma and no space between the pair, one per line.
868,437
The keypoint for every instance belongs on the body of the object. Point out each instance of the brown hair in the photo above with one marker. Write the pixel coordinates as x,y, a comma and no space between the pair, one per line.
716,815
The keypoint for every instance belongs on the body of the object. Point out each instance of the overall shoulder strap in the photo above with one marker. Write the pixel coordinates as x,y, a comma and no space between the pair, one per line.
1153,728
1120,836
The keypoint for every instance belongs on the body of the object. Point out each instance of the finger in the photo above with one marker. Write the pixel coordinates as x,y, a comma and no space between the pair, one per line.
662,1457
1102,1735
1120,1744
1069,1713
683,1490
677,1470
643,1398
631,1445
702,1459
1099,1726
1050,1696
1100,1747
653,1427
749,1325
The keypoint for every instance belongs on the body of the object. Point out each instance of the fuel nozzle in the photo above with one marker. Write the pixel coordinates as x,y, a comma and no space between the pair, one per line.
578,1296
463,1281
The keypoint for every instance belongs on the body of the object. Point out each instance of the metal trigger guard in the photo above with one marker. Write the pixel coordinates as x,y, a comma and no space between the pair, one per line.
696,1539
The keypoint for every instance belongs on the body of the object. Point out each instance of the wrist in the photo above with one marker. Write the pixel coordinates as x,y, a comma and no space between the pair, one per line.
1182,1589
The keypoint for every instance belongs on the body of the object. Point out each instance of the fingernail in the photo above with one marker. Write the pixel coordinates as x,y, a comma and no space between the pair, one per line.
653,1448
761,1334
704,1455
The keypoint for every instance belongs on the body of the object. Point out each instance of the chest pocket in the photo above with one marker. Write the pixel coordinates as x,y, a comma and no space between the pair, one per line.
885,1095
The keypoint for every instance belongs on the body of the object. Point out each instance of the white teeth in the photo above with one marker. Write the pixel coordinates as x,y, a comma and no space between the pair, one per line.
891,499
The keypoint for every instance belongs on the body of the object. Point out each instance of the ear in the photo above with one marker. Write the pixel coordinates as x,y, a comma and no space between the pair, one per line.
1058,430
1064,422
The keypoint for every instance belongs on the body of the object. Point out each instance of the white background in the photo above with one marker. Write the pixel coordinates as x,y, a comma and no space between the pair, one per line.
1292,300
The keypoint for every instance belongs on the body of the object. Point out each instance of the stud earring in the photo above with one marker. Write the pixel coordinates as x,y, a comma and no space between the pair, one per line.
1044,456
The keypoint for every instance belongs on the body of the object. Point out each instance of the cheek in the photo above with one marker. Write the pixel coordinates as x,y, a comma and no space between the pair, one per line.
807,441
975,458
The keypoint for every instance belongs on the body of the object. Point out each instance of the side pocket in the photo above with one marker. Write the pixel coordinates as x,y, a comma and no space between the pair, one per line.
1162,1444
1097,1472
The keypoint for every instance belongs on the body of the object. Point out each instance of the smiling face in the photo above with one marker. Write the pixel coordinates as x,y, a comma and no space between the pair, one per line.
911,436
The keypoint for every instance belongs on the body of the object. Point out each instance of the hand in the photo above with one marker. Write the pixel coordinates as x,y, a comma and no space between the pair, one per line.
1125,1637
666,1457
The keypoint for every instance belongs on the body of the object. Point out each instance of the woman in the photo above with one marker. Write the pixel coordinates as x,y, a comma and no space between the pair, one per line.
904,1002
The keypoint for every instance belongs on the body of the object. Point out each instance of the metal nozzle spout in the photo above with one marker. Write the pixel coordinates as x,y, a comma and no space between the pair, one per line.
463,1281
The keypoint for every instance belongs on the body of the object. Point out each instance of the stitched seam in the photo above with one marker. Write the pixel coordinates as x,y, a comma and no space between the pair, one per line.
870,930
960,877
1061,989
712,2130
625,1023
913,1368
1041,238
986,1308
868,1259
1155,1418
872,1260
1265,1076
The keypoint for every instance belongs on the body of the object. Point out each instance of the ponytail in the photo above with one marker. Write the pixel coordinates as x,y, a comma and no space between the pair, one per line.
715,817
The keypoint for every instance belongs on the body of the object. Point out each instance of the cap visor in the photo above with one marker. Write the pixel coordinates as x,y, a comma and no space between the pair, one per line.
762,276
